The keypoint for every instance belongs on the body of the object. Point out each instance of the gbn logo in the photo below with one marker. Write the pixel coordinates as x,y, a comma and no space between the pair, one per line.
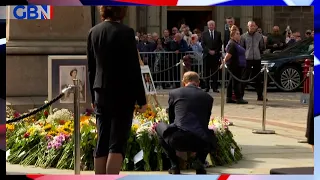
32,12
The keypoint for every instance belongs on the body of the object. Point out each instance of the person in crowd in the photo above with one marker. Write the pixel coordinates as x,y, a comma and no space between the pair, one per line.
297,36
174,31
105,43
189,114
276,41
265,38
166,40
196,45
291,41
138,34
187,35
145,46
253,43
160,64
288,36
182,27
230,21
236,61
198,33
155,36
211,44
311,46
179,46
308,34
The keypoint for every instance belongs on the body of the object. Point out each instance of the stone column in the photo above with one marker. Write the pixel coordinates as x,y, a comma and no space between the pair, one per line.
31,41
132,17
246,16
220,20
164,19
153,19
268,18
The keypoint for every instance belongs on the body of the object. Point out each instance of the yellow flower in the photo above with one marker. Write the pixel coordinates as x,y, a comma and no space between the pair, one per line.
135,127
52,133
31,131
86,122
84,118
10,127
47,127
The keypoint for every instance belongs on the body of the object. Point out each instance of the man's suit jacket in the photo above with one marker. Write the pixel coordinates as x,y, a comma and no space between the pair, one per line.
113,64
190,110
209,44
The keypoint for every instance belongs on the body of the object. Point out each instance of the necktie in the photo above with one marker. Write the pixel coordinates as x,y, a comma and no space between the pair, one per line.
211,34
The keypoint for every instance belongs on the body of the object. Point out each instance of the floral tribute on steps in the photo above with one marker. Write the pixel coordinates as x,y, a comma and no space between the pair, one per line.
46,140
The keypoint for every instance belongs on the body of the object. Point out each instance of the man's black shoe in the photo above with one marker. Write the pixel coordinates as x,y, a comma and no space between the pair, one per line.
216,91
174,170
201,171
230,100
241,101
207,90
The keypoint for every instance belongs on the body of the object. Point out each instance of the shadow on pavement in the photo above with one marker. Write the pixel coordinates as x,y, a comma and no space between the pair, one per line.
277,151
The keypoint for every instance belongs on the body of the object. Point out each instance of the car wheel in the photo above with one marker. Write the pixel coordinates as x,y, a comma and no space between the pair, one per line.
290,78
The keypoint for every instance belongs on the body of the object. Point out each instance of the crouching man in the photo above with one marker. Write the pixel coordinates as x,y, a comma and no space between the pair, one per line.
189,114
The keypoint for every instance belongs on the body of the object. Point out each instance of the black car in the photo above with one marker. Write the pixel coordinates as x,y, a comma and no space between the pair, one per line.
286,66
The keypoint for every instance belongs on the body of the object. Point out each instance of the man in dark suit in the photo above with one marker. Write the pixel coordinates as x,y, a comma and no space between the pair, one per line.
110,61
211,44
230,21
189,114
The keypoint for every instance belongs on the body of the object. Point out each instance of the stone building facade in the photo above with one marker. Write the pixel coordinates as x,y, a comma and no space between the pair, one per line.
31,41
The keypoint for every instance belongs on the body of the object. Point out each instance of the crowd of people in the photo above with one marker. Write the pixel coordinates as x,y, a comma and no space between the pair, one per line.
207,48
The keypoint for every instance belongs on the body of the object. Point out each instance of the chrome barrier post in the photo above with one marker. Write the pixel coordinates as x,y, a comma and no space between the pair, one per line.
264,107
223,88
77,159
181,63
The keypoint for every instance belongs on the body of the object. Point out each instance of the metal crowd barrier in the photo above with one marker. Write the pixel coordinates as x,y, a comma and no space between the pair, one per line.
163,65
76,89
266,77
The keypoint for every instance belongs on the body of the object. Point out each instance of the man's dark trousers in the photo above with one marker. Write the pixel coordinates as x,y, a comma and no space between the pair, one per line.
211,64
253,68
179,140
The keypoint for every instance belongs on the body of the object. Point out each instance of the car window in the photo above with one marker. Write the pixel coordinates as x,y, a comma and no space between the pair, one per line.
303,46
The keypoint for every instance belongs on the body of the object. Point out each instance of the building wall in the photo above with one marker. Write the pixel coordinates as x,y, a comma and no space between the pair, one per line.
298,18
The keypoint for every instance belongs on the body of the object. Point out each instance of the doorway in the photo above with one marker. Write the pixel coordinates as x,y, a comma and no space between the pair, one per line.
194,19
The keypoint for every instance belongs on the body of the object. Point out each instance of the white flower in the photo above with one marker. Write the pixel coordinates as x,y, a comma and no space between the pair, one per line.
62,114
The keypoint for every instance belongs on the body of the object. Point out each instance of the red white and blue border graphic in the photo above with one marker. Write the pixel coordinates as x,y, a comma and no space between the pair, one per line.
207,3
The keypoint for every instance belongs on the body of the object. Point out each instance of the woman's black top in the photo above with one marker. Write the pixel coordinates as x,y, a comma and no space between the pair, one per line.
231,49
238,55
310,120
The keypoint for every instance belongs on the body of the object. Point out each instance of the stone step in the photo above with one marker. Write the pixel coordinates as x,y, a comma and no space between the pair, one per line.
24,104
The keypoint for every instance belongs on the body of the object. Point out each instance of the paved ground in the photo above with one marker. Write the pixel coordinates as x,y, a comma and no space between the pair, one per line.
261,153
285,114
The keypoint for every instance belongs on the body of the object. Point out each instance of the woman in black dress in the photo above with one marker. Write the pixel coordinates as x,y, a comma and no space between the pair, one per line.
310,121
